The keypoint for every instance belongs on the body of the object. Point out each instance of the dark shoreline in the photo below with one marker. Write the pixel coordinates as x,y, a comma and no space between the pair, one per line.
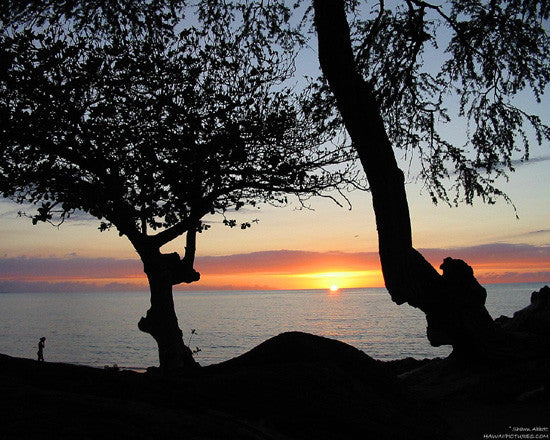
293,386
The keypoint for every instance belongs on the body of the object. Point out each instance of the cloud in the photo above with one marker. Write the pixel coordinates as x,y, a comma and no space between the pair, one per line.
514,277
70,266
492,262
286,262
538,232
16,286
493,253
521,162
10,209
534,233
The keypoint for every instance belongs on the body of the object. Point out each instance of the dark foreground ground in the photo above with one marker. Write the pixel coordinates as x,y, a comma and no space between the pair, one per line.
294,386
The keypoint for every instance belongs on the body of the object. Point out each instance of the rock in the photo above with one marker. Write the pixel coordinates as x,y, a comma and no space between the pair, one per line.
401,366
535,318
459,317
293,386
460,275
311,387
536,395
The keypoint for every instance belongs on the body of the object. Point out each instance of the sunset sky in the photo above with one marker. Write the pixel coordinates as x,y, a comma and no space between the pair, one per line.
291,248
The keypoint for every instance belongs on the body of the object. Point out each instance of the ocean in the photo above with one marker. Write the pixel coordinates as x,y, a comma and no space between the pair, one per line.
100,329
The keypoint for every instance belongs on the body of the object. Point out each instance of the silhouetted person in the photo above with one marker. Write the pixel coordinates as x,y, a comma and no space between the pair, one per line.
40,353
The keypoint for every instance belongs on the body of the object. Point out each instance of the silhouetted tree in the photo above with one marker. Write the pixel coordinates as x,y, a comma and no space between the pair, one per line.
150,115
388,97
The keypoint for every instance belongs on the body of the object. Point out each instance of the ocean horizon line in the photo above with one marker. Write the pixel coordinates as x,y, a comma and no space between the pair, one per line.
246,289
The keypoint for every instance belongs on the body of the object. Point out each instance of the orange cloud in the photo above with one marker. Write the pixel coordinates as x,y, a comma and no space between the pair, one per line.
281,269
288,262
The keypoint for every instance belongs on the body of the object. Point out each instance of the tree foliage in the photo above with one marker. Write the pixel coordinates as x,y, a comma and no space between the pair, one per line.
470,65
151,114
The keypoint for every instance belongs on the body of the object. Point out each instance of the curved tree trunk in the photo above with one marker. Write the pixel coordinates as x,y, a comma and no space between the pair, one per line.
454,302
163,271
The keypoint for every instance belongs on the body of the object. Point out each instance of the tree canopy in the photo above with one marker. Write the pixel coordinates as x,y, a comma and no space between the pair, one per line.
458,64
149,115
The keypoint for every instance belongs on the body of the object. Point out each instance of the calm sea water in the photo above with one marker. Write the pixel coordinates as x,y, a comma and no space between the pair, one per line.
101,328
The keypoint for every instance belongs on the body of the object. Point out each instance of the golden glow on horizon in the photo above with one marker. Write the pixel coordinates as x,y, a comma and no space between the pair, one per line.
342,280
332,280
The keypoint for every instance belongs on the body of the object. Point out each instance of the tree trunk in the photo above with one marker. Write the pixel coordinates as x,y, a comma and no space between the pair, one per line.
454,302
161,322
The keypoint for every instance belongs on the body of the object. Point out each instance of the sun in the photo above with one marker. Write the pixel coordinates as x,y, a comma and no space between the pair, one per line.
334,288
